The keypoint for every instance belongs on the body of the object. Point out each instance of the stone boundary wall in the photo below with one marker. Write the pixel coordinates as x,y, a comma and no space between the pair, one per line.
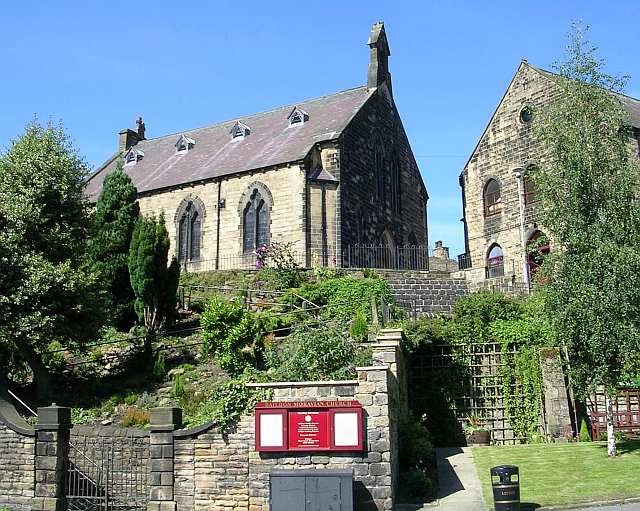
17,469
214,471
198,469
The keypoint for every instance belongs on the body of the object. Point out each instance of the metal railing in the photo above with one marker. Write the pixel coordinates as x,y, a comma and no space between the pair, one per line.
386,257
107,473
405,257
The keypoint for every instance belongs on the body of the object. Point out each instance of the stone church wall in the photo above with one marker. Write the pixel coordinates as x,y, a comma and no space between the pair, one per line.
286,218
507,145
378,125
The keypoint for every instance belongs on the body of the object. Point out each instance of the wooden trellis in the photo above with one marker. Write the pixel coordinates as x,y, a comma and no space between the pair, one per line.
467,379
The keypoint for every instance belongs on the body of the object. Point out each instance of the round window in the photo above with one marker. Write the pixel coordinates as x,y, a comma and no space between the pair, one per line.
526,114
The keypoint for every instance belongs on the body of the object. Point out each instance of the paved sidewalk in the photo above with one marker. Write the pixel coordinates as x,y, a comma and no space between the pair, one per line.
459,486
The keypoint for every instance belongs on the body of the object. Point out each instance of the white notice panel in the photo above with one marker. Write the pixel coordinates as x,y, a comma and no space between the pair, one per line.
345,429
271,430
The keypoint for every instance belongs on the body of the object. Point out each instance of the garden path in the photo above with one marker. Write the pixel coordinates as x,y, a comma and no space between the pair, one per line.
459,486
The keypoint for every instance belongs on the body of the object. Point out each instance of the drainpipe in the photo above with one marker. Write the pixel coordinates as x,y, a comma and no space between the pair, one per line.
218,226
525,267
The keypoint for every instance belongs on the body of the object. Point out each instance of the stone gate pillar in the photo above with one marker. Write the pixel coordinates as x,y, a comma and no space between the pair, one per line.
52,452
163,423
556,402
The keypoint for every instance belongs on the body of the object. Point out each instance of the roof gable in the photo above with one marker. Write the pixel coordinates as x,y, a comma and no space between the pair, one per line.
631,105
216,154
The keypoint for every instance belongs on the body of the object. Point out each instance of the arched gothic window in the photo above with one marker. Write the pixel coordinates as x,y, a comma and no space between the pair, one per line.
495,261
492,198
255,222
189,233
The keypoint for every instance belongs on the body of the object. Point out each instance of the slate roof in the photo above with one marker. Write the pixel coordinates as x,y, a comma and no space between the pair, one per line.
271,142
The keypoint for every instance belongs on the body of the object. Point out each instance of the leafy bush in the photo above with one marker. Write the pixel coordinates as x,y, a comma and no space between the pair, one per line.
425,331
584,432
131,399
83,415
359,327
364,358
136,417
312,354
229,332
344,296
226,404
477,311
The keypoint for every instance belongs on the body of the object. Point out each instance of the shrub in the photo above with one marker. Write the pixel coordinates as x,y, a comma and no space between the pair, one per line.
477,311
131,398
82,415
416,449
584,432
226,404
159,370
178,387
312,354
135,417
415,484
228,331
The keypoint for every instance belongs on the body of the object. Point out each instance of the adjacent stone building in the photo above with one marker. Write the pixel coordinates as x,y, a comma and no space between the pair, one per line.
499,202
324,175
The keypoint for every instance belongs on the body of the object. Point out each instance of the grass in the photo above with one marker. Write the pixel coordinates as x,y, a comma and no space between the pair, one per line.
562,474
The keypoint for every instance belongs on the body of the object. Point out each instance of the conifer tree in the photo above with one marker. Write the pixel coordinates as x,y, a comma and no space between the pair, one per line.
154,283
113,223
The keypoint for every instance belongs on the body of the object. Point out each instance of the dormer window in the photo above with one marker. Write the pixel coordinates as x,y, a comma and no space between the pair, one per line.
297,117
184,143
239,130
133,156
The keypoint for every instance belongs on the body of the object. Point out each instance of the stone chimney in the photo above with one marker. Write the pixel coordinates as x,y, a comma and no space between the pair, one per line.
379,59
128,138
140,128
441,252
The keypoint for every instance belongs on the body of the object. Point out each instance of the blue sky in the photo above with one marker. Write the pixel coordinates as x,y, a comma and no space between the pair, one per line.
96,65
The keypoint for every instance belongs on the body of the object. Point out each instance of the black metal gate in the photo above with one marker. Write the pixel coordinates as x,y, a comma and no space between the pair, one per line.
107,473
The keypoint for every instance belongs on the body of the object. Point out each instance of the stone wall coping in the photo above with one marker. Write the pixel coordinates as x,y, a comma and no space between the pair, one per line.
386,344
12,419
197,430
284,384
381,367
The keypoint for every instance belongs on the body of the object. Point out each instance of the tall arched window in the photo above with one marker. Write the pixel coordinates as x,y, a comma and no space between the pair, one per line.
255,222
379,175
492,198
495,261
395,184
189,232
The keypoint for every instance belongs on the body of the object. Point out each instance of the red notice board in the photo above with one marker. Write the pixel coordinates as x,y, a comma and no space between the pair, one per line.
309,426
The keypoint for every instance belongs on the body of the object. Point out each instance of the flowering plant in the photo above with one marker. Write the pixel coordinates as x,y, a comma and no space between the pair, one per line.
261,254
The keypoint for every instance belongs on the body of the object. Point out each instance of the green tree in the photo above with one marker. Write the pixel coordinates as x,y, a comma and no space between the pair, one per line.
154,283
588,189
47,291
112,228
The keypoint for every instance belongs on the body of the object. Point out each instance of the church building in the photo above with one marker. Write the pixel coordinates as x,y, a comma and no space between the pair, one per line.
504,240
333,176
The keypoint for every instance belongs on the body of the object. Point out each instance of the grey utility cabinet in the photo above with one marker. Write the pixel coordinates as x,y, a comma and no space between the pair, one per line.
311,490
